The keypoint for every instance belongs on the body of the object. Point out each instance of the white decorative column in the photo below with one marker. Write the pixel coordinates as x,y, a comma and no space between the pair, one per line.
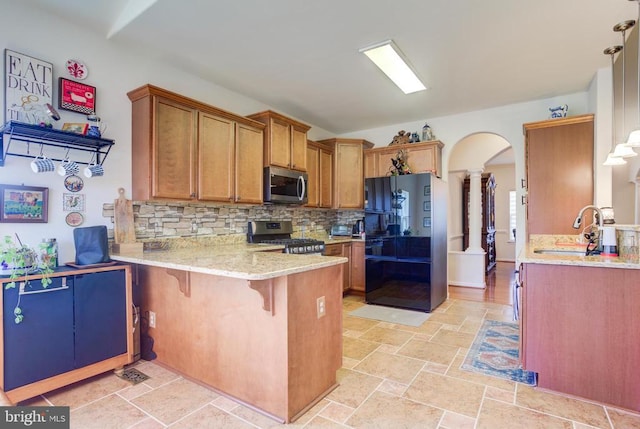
475,211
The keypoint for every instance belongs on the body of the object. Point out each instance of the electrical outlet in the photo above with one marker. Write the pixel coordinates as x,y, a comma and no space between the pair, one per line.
321,309
152,319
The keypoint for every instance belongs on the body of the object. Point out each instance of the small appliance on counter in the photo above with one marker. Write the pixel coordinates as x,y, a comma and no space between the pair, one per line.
340,230
609,243
358,229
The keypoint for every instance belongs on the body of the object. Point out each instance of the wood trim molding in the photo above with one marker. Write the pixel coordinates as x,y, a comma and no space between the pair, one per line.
151,90
264,288
184,280
557,122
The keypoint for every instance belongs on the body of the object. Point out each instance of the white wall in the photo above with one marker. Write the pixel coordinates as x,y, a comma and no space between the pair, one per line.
113,71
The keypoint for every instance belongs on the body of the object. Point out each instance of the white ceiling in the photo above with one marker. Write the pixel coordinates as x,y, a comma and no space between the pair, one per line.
301,56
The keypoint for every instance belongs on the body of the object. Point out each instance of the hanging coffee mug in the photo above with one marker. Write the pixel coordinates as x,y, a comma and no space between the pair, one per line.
68,167
42,165
94,170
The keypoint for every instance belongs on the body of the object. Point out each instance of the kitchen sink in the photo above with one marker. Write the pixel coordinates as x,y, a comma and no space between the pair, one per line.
560,252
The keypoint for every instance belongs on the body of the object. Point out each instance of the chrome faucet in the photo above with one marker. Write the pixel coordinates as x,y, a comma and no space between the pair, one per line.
578,222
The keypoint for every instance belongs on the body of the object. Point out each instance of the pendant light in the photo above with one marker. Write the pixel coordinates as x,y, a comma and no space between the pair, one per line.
621,149
634,137
611,160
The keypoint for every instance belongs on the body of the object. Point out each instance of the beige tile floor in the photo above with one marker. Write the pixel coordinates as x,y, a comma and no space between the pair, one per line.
393,376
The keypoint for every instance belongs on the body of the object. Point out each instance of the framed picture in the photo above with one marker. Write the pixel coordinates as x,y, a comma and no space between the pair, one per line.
22,204
77,97
427,190
73,202
28,88
426,222
426,206
75,127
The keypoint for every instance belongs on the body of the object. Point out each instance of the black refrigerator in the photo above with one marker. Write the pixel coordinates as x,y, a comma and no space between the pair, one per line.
406,241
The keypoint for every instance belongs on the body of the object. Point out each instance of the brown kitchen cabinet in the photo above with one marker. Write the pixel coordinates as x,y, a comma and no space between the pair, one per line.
320,173
559,168
425,157
344,250
285,140
357,266
186,150
348,171
579,326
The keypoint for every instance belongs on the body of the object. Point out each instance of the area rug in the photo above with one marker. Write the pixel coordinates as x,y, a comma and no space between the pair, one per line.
132,375
495,352
391,315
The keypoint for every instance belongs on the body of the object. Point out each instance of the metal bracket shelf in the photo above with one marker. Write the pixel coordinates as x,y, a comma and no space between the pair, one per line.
36,134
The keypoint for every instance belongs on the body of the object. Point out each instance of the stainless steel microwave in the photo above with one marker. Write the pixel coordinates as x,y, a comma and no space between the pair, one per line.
284,186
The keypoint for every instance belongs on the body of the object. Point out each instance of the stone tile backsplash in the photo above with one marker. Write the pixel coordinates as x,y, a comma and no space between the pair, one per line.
160,219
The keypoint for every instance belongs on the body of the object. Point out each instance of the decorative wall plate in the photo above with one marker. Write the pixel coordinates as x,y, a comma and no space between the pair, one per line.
77,69
73,183
74,219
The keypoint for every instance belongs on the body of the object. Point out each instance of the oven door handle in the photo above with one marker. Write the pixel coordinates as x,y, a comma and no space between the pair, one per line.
301,185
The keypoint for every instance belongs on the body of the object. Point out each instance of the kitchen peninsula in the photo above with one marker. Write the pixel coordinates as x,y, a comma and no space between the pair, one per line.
264,328
580,322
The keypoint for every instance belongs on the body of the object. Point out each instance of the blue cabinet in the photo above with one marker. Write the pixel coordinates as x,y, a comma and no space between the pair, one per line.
100,316
42,345
78,320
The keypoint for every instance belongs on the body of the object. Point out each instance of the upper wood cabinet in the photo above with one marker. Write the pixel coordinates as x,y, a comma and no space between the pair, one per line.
187,150
348,171
320,172
425,157
285,140
559,168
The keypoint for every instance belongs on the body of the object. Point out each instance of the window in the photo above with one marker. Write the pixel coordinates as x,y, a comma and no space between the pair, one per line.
512,215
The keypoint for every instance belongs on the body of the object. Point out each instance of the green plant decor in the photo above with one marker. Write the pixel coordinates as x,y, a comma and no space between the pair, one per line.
22,261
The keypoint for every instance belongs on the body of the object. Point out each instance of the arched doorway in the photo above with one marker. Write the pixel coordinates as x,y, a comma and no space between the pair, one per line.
477,153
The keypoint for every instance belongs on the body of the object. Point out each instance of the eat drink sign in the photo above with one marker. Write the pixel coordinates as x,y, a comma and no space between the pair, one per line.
28,87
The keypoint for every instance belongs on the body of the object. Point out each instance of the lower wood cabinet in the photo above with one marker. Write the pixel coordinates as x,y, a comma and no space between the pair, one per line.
78,326
357,266
579,331
344,250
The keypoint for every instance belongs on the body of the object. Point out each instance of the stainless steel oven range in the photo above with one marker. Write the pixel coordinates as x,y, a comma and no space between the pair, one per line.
279,232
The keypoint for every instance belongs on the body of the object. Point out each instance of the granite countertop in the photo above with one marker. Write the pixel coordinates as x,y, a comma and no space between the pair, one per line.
570,243
237,260
338,239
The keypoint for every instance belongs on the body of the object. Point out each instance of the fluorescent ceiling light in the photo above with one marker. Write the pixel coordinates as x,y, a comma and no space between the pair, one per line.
388,58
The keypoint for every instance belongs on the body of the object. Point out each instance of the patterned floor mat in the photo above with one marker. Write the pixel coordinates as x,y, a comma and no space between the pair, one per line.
495,352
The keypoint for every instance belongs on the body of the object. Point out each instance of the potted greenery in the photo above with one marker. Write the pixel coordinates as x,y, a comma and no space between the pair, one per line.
20,261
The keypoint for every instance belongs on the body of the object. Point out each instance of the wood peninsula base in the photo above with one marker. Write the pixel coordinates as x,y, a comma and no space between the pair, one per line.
259,341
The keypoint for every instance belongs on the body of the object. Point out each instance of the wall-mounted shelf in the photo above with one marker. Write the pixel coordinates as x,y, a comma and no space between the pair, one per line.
35,134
